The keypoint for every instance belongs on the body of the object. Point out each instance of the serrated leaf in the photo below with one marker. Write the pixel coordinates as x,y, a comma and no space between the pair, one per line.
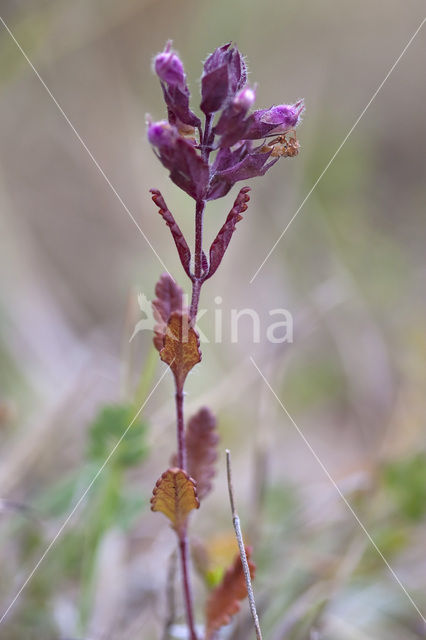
181,349
175,495
180,242
169,298
201,445
224,600
223,238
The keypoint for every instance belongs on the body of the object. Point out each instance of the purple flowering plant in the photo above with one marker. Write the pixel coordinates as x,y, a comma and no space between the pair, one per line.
206,159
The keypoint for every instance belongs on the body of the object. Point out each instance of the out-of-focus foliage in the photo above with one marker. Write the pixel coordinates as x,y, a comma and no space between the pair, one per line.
108,428
406,481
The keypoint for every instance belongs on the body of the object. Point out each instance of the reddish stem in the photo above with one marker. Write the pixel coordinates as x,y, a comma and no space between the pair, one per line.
196,289
183,538
198,254
183,548
198,259
197,282
182,457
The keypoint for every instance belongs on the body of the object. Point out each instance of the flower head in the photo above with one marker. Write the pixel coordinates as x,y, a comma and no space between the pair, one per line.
225,92
169,67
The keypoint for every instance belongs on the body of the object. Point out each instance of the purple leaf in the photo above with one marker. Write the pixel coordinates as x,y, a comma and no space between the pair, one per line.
251,165
214,89
223,238
179,155
169,299
224,74
177,101
189,171
178,237
227,158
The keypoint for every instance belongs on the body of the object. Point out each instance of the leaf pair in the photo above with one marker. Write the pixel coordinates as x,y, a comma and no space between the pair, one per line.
177,492
219,245
174,337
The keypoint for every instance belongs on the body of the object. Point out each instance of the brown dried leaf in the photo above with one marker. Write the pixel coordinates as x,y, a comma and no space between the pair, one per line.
169,298
201,445
175,495
181,347
224,600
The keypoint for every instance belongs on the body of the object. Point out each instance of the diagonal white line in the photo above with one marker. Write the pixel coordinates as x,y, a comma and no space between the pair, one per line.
84,145
343,497
80,500
327,166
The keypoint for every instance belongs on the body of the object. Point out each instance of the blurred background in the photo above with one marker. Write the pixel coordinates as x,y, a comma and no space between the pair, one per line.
350,269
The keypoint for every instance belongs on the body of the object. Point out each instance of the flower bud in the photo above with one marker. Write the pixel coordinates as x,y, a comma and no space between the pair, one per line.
275,120
232,122
284,116
162,135
244,99
169,67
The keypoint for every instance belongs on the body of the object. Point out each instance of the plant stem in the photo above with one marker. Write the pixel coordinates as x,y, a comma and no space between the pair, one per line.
198,255
198,259
196,289
183,548
183,538
180,423
206,139
197,282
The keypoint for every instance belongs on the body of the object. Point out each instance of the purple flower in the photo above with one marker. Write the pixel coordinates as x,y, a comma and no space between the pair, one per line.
262,123
276,120
232,120
169,67
162,135
184,147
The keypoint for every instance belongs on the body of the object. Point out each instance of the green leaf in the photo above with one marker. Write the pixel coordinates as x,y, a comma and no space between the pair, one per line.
107,429
60,497
406,481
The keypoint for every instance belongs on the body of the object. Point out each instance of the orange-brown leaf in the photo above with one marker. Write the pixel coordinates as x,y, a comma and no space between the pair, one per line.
224,600
181,347
169,298
175,495
201,445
